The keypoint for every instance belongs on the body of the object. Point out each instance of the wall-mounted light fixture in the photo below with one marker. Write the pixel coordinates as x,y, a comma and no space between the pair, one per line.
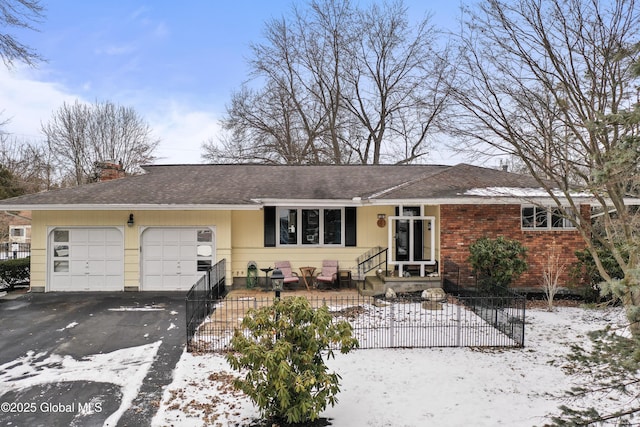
130,222
382,220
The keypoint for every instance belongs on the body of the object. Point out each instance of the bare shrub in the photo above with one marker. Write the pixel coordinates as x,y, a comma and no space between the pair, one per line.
551,273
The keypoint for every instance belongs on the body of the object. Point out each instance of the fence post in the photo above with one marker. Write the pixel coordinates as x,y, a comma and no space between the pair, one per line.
458,326
391,327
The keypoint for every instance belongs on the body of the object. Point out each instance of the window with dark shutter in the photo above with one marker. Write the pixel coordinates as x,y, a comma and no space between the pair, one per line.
350,238
269,226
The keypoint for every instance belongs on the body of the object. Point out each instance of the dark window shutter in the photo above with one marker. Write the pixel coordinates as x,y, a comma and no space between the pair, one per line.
350,235
269,226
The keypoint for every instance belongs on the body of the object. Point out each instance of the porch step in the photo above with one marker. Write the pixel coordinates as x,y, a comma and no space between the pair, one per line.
374,285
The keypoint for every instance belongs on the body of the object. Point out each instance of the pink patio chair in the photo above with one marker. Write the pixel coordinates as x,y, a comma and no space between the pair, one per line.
329,273
289,275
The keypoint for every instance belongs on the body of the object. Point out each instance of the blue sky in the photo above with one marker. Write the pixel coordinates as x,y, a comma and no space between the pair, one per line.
176,63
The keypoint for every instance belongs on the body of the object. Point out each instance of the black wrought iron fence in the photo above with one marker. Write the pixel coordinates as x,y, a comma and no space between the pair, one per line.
201,297
382,323
504,312
14,250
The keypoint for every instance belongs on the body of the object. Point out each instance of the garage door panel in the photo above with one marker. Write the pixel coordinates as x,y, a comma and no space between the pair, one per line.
169,267
113,267
96,252
78,283
95,259
113,254
153,251
78,235
96,267
190,266
170,258
77,266
153,266
188,252
113,283
171,251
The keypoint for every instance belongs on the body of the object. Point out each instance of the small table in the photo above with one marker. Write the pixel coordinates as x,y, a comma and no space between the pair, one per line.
344,278
266,275
307,273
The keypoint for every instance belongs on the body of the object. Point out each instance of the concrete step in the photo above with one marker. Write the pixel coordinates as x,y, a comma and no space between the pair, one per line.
374,285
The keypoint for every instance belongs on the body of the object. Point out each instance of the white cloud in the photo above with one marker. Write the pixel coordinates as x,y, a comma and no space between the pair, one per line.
182,129
29,102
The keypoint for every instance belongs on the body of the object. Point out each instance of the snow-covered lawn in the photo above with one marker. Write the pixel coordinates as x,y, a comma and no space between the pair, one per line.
378,324
413,387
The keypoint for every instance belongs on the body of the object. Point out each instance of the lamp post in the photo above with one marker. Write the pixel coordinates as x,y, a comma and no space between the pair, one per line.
277,281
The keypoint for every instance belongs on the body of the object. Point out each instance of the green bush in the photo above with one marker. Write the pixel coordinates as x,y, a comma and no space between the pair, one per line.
15,271
497,262
584,274
281,347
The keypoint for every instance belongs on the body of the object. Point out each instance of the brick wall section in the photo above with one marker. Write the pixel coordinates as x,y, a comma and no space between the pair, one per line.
461,225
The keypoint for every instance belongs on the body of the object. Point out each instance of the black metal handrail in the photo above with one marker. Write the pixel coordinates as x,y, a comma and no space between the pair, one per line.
372,259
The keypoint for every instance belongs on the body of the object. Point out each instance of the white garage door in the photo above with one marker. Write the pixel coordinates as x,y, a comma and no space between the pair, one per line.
86,259
175,258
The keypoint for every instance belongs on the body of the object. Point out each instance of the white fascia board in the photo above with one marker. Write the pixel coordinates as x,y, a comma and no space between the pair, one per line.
475,201
119,207
310,202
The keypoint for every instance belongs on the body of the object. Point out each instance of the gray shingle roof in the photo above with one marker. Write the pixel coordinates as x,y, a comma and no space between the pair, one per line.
456,180
242,184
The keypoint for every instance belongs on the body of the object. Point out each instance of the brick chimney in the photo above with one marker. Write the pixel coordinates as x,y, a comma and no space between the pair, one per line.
109,170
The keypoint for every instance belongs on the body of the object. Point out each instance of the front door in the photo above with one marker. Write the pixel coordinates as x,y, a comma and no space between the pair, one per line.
409,236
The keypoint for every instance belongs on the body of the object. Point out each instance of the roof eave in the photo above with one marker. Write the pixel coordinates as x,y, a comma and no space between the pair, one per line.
356,201
128,207
475,200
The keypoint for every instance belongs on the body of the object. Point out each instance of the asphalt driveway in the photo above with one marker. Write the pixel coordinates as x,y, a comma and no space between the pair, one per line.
84,359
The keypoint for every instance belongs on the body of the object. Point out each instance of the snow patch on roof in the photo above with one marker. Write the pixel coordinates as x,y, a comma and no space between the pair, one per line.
519,192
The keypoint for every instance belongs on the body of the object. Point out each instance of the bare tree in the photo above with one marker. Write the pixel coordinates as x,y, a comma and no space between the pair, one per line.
551,82
18,14
29,163
394,84
340,85
295,117
81,135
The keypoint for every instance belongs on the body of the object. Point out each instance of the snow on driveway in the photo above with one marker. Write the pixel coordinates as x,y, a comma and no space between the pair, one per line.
125,368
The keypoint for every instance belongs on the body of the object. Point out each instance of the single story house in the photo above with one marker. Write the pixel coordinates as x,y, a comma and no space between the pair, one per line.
161,229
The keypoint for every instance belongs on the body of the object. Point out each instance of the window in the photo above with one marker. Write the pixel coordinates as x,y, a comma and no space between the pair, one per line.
310,226
545,218
204,249
17,232
60,250
288,226
332,226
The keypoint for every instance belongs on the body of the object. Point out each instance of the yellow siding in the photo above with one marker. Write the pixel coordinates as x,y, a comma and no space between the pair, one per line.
44,220
239,237
248,243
